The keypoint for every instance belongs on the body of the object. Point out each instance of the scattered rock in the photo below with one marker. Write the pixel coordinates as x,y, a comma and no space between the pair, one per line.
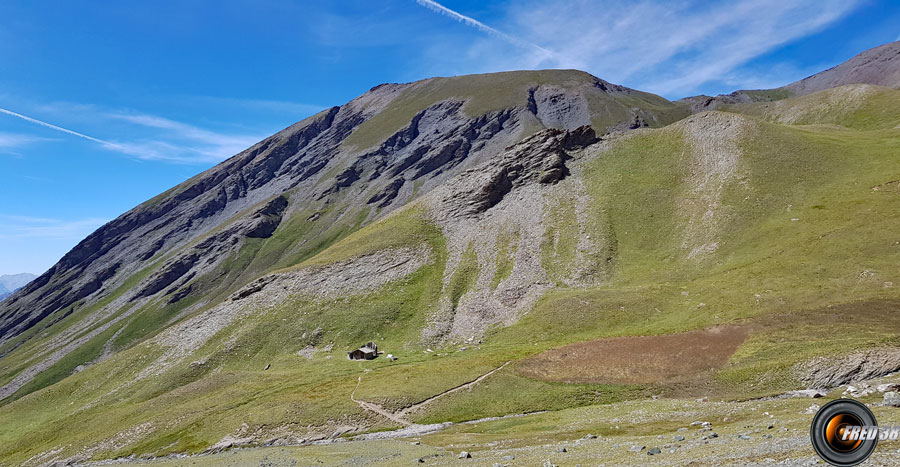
268,365
812,409
589,436
678,438
888,387
464,455
637,448
892,399
654,452
811,393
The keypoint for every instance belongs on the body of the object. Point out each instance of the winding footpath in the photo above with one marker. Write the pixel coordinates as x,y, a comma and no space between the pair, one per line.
400,416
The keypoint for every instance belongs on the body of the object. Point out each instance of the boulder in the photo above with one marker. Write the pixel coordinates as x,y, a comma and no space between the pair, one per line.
892,399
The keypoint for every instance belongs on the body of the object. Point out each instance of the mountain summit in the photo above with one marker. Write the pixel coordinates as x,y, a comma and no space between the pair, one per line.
498,233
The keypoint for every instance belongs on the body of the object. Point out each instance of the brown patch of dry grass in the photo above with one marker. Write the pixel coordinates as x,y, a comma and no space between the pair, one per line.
638,360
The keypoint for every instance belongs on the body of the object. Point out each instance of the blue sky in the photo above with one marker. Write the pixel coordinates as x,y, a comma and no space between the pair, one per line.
141,95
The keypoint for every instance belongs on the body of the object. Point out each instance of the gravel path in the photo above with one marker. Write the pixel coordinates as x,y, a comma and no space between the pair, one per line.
400,416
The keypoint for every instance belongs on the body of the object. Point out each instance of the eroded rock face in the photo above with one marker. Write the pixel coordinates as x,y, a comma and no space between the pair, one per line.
829,372
557,108
538,159
436,141
510,195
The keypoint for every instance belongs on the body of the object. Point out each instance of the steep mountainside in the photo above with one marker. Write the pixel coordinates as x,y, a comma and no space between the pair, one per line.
495,232
875,66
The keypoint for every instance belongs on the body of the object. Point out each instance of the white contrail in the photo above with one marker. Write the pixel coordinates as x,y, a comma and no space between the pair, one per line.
469,21
59,128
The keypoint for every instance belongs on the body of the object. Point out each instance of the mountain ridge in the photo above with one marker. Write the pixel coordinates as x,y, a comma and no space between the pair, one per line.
876,66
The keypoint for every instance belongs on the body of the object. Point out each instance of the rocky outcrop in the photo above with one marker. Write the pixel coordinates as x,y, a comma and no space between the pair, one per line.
556,108
537,159
829,372
385,196
437,139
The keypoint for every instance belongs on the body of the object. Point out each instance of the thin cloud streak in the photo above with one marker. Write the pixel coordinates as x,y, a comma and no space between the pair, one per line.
125,149
469,21
198,145
212,146
54,127
35,227
298,108
670,48
14,140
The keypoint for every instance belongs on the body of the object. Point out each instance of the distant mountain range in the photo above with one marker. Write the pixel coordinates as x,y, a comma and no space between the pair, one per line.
9,283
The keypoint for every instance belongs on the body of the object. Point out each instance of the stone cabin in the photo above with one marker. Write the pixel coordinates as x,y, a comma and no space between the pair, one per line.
366,352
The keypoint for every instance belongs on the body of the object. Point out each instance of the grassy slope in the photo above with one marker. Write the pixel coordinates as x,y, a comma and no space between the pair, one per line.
770,269
857,106
797,281
213,399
